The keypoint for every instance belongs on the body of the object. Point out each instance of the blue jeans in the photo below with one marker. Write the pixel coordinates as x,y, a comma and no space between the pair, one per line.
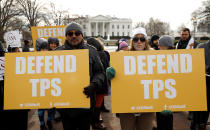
41,115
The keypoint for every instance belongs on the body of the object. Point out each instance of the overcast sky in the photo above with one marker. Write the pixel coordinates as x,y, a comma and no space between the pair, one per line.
175,12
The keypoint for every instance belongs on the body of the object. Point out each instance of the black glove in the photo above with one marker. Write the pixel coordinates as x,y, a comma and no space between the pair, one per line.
89,90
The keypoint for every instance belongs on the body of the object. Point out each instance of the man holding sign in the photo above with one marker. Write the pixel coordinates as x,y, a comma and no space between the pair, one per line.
74,119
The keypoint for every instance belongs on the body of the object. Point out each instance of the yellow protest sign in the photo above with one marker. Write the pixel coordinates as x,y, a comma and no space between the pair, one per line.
153,81
46,79
48,31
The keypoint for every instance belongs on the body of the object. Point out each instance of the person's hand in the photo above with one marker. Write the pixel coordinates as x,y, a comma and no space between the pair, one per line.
166,112
89,90
110,73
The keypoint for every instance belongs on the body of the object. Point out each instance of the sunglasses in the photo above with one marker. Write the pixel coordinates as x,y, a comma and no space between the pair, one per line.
72,33
136,39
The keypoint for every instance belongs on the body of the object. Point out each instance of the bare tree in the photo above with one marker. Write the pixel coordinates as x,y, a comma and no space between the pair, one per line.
7,13
157,27
180,28
140,24
203,11
33,11
57,16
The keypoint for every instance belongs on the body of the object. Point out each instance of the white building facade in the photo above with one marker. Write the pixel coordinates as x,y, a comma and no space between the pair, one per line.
106,26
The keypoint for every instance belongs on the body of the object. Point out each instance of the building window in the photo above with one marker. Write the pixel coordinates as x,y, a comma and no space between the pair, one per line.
84,27
112,33
118,34
128,26
92,34
104,33
85,34
118,26
123,34
128,34
112,26
123,26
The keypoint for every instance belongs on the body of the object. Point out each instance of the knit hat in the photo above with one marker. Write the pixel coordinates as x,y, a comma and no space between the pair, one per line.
40,42
154,37
122,39
73,26
53,40
123,44
166,41
139,30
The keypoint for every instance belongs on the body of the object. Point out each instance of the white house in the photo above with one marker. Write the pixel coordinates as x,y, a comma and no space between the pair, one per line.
106,26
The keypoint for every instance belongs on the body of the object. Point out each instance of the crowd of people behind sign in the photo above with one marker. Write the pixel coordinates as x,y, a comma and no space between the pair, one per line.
82,119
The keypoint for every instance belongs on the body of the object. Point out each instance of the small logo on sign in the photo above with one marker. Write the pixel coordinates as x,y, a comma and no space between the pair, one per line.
132,108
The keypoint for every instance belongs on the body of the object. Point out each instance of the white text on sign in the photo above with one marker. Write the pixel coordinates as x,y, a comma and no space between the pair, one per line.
160,64
47,65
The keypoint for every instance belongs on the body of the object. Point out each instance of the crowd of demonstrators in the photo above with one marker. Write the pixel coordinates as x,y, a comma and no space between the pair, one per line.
83,118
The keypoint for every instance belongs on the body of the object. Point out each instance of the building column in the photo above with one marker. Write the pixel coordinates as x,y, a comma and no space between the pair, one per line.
96,29
103,29
89,29
110,33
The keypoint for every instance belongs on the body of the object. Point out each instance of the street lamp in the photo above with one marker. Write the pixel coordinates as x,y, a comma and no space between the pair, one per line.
195,21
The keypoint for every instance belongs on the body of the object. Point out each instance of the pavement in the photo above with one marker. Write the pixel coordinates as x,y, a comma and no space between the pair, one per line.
110,120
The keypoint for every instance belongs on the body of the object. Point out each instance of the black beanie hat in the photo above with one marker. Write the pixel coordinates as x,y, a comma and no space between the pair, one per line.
154,37
53,40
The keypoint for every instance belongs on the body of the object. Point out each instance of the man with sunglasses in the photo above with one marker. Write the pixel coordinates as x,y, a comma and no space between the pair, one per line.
79,118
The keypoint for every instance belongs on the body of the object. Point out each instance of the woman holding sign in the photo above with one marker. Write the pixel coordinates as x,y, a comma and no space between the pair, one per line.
138,121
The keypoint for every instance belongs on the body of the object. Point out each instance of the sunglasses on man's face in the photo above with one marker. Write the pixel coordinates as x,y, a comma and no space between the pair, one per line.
72,33
136,39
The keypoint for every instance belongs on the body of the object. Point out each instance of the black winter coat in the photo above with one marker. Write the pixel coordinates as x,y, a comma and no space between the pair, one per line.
97,76
183,44
105,58
26,48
